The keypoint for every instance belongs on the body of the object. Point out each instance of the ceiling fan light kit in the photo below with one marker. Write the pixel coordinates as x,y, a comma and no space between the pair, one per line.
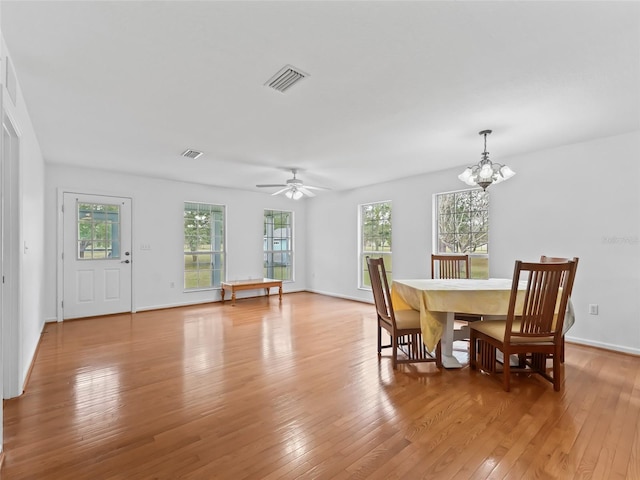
294,194
294,188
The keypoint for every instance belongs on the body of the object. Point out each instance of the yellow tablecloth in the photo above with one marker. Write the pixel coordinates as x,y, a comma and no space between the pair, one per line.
433,298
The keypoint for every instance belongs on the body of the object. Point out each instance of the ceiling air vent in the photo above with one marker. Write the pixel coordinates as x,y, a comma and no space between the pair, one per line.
191,153
286,78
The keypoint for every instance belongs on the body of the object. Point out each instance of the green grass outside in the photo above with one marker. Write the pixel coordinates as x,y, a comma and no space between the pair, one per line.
202,278
194,278
479,269
280,272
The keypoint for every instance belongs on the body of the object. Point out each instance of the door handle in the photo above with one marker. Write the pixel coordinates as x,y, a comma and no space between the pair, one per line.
125,261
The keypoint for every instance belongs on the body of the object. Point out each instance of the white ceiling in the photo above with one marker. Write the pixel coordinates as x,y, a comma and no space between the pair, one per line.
395,88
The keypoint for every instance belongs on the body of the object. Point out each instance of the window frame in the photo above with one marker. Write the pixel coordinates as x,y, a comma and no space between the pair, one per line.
290,251
363,272
479,261
221,253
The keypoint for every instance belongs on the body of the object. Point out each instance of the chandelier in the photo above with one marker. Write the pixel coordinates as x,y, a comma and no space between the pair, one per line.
485,172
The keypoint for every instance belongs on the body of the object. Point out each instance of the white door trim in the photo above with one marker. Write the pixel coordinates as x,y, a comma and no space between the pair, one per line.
11,268
60,245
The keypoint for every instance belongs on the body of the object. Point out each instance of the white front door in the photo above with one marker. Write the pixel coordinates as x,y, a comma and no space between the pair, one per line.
96,255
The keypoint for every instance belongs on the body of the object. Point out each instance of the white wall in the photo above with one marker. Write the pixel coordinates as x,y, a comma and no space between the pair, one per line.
2,87
582,211
561,203
30,245
158,207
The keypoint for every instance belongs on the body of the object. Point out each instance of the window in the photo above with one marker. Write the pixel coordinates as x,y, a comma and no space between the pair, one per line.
462,226
375,238
278,245
98,231
204,240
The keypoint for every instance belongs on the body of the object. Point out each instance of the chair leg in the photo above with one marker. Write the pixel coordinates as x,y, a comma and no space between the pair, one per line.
538,362
506,371
394,351
472,352
379,339
557,369
562,350
409,346
522,360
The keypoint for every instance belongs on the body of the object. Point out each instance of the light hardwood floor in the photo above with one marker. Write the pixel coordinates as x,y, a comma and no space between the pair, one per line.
267,391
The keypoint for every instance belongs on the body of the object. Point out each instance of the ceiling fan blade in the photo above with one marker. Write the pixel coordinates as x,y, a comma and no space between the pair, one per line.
306,191
280,191
292,187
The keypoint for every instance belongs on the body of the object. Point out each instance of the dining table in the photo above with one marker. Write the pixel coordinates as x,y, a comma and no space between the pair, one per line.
438,300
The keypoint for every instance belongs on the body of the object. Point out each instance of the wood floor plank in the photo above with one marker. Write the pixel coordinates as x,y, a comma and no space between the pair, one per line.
615,443
264,390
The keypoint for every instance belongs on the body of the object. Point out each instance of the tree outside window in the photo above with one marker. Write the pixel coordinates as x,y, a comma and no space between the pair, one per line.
375,238
462,226
98,231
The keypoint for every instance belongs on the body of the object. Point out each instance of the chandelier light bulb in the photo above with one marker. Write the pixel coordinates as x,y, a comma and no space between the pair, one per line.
506,172
486,171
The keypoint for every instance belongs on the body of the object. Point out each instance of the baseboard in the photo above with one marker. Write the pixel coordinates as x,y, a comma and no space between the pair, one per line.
202,302
603,345
344,297
173,305
33,362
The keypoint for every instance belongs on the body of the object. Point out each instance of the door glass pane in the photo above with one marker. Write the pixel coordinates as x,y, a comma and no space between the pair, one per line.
98,231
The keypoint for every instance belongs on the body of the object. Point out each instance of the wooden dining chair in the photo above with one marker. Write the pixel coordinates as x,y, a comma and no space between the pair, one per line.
450,266
453,266
546,259
533,333
403,326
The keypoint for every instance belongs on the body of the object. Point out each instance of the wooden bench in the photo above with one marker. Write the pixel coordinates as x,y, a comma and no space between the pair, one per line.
236,285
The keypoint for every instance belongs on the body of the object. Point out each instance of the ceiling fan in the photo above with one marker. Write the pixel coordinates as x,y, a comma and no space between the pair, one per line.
294,188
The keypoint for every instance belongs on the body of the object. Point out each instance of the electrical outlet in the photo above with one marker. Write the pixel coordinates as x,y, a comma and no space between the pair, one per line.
593,309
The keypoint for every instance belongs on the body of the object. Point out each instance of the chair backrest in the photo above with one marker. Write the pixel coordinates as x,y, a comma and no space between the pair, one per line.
450,266
545,259
380,289
544,304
